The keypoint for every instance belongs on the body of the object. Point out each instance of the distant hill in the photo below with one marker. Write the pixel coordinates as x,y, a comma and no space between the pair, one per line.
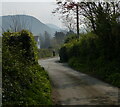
53,26
27,22
56,28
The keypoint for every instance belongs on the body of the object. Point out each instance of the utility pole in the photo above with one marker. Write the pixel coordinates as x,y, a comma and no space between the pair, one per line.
77,20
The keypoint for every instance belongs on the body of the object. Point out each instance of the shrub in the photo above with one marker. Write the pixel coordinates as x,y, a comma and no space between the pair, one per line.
63,54
88,54
25,82
70,38
44,53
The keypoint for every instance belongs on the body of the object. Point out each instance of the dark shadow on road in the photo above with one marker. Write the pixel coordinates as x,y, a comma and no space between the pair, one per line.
58,61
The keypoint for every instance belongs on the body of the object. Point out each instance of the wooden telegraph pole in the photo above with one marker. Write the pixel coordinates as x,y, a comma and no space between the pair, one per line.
77,20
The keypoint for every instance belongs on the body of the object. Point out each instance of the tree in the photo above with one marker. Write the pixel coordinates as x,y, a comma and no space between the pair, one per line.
100,15
47,40
17,23
66,9
59,37
91,13
69,22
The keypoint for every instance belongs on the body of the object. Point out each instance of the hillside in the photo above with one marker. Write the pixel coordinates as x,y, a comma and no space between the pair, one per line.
27,22
54,27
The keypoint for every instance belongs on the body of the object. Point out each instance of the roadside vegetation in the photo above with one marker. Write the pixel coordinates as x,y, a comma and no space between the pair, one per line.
51,46
96,52
88,54
25,82
45,53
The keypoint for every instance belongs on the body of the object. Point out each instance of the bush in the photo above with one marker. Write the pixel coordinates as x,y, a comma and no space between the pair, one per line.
63,54
44,53
70,38
89,55
65,51
25,82
21,44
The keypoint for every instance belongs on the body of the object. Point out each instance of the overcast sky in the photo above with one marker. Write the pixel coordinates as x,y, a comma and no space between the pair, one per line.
37,8
41,9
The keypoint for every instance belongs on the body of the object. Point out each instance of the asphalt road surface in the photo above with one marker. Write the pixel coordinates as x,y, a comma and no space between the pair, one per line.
71,87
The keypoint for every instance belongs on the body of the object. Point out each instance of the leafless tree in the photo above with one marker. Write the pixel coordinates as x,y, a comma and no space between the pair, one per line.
16,24
88,12
69,10
69,23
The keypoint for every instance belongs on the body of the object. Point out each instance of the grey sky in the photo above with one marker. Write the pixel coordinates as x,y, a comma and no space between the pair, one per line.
40,10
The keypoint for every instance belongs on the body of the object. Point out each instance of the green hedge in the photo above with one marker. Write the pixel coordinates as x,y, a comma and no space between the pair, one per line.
44,53
88,54
25,82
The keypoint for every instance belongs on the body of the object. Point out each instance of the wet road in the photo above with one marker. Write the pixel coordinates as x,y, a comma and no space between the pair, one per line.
75,88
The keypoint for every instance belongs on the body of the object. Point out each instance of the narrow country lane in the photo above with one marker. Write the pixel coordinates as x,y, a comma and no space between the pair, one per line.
75,88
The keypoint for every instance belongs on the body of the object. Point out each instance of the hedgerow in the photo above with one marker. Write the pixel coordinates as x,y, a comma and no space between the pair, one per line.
45,53
88,54
25,82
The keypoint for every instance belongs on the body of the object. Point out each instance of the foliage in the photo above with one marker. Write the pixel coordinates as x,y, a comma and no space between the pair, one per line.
70,37
88,55
25,82
57,40
63,54
97,52
44,53
59,37
91,14
47,40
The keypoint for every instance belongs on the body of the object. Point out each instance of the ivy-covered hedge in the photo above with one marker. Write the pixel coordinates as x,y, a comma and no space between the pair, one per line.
25,82
88,54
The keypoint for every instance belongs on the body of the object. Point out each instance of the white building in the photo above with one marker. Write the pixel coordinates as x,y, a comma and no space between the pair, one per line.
37,39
